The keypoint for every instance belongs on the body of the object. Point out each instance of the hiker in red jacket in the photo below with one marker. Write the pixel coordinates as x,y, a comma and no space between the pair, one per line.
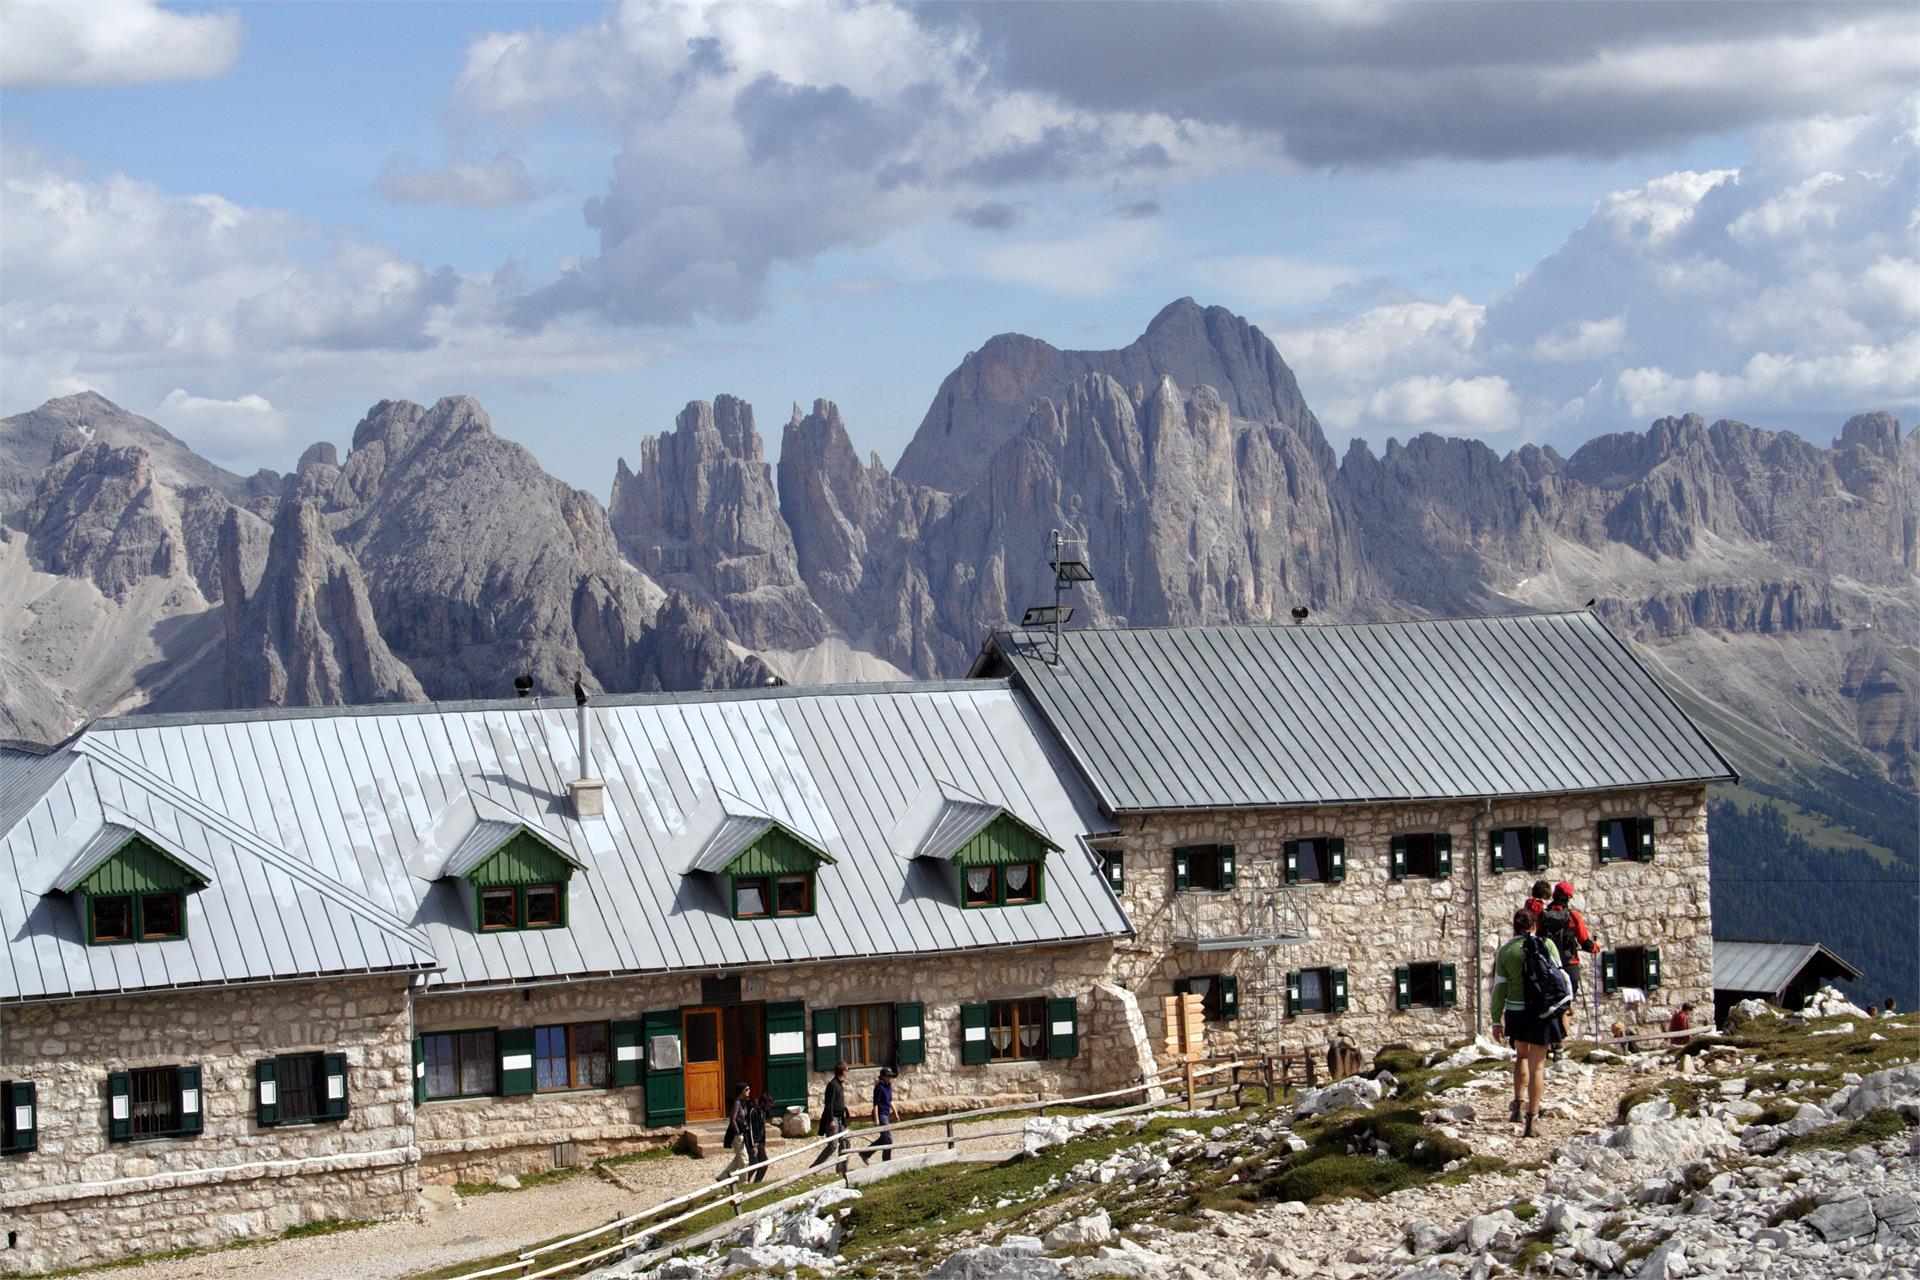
1561,924
1682,1020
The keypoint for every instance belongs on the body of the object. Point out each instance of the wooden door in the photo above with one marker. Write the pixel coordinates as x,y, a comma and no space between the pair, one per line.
706,1063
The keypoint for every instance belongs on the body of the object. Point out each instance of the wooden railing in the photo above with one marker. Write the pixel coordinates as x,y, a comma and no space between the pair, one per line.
1192,1083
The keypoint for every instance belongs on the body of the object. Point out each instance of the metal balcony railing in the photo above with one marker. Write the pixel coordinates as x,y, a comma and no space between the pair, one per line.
1257,913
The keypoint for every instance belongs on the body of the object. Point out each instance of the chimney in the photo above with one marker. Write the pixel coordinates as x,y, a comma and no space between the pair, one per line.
588,792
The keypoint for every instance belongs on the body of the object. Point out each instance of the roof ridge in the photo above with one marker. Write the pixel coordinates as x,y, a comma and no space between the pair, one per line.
1289,625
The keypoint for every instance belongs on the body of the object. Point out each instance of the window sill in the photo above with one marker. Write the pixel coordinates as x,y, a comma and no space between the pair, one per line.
135,1139
308,1123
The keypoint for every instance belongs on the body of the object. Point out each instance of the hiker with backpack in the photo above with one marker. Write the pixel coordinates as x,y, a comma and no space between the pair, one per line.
1531,991
1538,899
1566,929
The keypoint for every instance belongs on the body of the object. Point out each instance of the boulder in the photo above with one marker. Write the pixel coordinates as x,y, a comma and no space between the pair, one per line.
1667,1262
1897,1088
687,1143
1095,1228
996,1262
1843,1219
1355,1091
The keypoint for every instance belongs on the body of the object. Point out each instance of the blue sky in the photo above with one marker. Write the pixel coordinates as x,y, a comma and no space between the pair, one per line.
252,222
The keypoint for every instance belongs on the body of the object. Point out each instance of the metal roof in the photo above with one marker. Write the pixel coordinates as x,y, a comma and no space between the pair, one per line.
487,836
107,841
1230,716
1768,968
740,825
961,817
369,803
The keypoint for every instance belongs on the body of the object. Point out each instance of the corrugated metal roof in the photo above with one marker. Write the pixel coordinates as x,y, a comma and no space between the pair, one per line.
739,826
1767,968
489,834
1217,717
961,817
367,802
109,839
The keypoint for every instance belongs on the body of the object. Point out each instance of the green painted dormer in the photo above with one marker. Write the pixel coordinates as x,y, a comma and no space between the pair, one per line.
130,888
769,870
998,859
513,877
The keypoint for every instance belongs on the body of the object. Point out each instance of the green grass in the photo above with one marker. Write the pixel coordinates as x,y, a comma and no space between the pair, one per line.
1338,1164
1875,1126
527,1182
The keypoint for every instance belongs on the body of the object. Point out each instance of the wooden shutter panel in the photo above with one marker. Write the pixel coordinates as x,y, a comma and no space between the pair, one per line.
1653,967
1337,859
1338,980
1293,993
515,1048
1397,855
1229,997
1063,1027
119,1107
1179,870
1443,855
20,1120
973,1035
1292,853
1226,864
1644,850
419,1070
1607,852
1497,852
1449,988
826,1039
1115,862
1539,848
628,1044
786,1053
193,1103
333,1084
909,1034
666,1086
1609,972
266,1091
1402,987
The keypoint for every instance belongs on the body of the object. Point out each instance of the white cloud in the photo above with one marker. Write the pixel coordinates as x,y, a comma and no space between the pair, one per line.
1484,405
1867,374
1271,280
1087,264
1382,342
248,425
87,43
479,184
1581,340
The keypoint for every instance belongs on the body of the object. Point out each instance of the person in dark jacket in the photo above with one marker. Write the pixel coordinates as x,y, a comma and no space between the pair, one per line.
882,1117
756,1140
834,1116
739,1119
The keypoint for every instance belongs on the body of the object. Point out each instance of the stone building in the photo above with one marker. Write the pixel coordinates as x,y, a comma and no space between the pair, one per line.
267,967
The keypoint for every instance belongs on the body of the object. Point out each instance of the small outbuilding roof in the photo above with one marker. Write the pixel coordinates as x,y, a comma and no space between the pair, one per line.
1749,968
1261,716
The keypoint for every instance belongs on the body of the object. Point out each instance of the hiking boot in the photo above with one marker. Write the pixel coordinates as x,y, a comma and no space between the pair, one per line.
1531,1117
1513,1112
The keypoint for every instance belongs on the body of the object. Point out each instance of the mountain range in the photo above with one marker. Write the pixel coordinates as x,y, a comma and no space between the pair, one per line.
1772,581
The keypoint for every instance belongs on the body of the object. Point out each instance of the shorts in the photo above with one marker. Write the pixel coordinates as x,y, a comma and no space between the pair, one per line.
1523,1028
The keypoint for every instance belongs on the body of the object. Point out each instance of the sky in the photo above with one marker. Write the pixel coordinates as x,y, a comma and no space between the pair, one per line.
1532,222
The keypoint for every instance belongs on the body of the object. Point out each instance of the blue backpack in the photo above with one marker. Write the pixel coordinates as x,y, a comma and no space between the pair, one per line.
1547,987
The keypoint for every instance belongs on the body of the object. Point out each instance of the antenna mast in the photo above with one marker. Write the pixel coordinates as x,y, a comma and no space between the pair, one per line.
1067,570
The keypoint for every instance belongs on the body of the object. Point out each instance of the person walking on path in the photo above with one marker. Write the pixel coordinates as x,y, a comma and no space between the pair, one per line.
756,1139
1538,899
833,1115
739,1120
882,1117
1530,989
1682,1020
1563,926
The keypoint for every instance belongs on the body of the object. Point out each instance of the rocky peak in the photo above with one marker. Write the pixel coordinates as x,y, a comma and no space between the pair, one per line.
98,514
30,442
1875,432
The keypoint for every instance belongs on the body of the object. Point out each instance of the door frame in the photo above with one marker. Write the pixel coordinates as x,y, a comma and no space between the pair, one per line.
718,1062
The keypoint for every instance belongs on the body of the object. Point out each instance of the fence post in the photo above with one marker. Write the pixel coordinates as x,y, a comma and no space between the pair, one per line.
1190,1099
951,1145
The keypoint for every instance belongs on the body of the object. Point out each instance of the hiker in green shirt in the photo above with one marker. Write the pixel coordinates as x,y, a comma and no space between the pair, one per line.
1529,1033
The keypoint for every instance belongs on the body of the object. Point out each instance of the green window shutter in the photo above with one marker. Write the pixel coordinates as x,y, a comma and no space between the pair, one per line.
909,1034
666,1085
1337,859
1607,852
1229,997
1609,972
1226,866
419,1071
1449,988
1645,851
973,1035
1115,863
1179,870
266,1091
19,1119
1293,861
1653,967
1402,987
1443,855
1293,993
1397,854
1498,853
1540,848
826,1039
1339,983
515,1048
1063,1027
628,1048
119,1107
786,1053
193,1108
333,1068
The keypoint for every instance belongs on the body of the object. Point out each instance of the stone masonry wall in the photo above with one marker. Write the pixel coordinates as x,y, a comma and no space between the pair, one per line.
1371,923
479,1139
80,1199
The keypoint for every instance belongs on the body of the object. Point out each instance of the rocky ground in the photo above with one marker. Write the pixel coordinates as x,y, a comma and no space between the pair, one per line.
1784,1149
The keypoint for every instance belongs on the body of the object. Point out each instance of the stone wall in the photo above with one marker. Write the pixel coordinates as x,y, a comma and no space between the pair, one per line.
80,1199
1371,923
480,1139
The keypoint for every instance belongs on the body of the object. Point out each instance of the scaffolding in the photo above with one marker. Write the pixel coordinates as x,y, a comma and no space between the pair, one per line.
1262,913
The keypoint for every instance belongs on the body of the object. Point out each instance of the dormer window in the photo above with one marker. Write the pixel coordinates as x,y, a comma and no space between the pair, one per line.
129,889
766,869
998,860
516,875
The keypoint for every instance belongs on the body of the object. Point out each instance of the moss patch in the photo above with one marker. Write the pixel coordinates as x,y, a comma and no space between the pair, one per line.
1870,1128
